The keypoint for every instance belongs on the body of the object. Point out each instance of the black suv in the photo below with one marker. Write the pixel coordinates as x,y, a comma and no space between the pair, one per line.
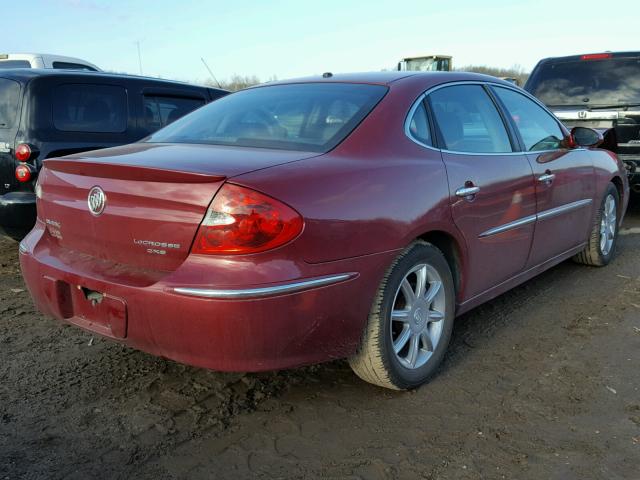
50,113
597,90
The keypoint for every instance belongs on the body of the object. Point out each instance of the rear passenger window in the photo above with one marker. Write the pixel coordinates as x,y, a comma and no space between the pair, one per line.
162,110
90,108
538,129
468,120
419,125
9,102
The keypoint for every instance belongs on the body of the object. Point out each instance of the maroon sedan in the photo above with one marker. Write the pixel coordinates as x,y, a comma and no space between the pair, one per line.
340,216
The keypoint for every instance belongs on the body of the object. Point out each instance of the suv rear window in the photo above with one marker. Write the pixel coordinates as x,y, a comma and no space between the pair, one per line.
309,117
610,81
90,108
9,102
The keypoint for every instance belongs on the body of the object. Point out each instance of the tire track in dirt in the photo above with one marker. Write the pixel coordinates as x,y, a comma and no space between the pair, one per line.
527,401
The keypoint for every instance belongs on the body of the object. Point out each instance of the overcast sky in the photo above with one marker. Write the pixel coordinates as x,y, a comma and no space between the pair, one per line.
289,38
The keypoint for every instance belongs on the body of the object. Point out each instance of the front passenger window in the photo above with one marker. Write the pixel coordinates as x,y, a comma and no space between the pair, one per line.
538,129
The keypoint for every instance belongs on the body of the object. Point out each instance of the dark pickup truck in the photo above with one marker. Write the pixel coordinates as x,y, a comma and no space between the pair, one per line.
51,113
597,90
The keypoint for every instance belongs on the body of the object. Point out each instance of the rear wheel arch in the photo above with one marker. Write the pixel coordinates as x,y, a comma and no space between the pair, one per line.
617,181
384,356
452,251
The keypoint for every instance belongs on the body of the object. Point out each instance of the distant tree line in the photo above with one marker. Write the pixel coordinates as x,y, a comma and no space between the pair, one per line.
517,72
238,82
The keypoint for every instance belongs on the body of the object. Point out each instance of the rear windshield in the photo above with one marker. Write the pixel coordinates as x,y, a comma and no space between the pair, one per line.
309,117
9,102
611,81
15,64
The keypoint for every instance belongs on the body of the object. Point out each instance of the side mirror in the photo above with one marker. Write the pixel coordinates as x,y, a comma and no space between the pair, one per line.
586,137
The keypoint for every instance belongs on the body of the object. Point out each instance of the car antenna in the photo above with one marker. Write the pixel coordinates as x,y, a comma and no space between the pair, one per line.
139,56
211,73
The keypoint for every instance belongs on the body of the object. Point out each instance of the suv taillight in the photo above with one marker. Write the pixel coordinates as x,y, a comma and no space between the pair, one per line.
23,152
241,221
23,172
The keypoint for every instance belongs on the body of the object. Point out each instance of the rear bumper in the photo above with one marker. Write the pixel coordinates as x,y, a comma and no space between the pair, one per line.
315,314
18,211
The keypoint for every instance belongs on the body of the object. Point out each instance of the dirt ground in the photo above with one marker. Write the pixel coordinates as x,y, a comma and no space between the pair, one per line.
541,383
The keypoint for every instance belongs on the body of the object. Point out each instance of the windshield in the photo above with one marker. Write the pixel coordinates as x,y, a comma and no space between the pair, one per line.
430,64
308,117
9,102
422,65
611,81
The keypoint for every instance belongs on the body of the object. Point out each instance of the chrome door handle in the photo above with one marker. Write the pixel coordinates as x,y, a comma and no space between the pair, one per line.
467,191
547,178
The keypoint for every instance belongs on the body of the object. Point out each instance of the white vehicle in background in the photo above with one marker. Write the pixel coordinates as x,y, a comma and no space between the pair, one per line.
43,60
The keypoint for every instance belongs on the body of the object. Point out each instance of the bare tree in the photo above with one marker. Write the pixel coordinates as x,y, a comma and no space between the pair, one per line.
516,71
236,82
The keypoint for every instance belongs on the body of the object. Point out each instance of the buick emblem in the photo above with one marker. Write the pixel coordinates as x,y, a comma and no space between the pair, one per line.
582,114
96,200
420,316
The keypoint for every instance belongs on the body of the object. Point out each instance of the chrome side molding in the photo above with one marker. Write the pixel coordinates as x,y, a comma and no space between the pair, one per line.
545,214
509,226
554,212
261,292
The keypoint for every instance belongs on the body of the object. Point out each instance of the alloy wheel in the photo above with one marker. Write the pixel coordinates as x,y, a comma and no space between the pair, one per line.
608,225
417,316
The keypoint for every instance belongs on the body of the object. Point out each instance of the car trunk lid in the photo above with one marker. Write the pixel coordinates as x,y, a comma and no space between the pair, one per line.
155,197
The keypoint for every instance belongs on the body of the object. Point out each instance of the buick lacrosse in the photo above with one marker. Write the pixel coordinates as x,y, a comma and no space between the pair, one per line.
343,216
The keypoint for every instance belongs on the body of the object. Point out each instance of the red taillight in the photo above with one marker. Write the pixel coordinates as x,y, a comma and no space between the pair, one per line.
241,221
23,152
23,173
595,56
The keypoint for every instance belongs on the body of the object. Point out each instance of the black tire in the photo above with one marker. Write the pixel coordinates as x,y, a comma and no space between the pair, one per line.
593,254
375,360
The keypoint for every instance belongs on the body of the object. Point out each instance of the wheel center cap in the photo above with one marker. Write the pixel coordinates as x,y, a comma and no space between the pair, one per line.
420,317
